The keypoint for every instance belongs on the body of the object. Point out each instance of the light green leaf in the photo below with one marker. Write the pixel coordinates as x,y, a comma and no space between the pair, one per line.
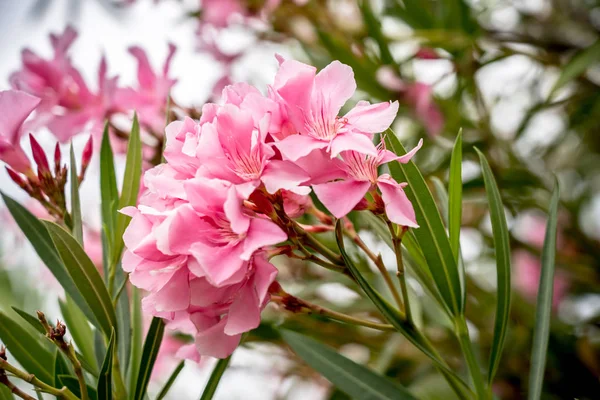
136,338
502,247
149,353
109,193
431,235
215,378
442,197
80,330
543,314
455,196
85,275
355,380
60,368
131,187
31,320
75,203
27,349
72,384
163,392
124,322
105,378
38,236
5,393
577,66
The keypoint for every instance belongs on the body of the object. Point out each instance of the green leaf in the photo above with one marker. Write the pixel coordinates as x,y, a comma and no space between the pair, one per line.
355,380
149,353
577,66
75,203
215,378
543,313
136,338
131,186
60,368
373,24
105,377
124,322
109,193
502,247
455,196
5,393
27,349
431,235
72,384
442,196
31,320
170,381
38,236
85,275
92,369
80,330
393,316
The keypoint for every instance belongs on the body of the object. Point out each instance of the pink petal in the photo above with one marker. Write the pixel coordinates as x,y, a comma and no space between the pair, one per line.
294,147
175,294
146,76
261,233
233,210
214,342
244,312
188,352
390,156
334,85
372,118
342,196
221,265
264,275
282,175
15,107
14,156
352,141
398,207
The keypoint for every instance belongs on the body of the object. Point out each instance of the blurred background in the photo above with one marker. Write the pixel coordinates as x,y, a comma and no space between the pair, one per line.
520,78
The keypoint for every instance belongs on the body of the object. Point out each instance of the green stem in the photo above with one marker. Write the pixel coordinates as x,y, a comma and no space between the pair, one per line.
317,246
62,393
121,392
397,242
462,332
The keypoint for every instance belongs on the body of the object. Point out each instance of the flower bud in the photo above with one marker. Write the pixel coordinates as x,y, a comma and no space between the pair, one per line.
39,156
86,156
426,53
16,178
57,159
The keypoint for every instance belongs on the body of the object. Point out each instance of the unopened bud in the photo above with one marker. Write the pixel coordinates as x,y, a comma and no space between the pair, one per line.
16,178
317,228
3,353
426,53
59,331
39,156
57,159
86,157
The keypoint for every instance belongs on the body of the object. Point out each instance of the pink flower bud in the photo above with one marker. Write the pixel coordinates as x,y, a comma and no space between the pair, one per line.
57,159
16,178
426,53
39,156
86,156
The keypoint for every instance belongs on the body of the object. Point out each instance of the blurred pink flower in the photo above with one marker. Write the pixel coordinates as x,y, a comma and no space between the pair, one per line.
527,270
15,107
420,96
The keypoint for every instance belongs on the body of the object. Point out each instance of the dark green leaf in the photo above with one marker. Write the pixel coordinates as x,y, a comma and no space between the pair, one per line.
215,378
170,381
75,203
85,275
80,330
373,24
31,320
27,349
431,235
149,353
136,338
5,393
109,193
131,186
105,377
60,368
455,196
41,241
355,380
124,322
544,303
577,66
502,247
72,384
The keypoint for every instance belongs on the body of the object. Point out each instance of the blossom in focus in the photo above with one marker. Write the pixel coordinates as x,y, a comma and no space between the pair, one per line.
361,176
313,102
15,107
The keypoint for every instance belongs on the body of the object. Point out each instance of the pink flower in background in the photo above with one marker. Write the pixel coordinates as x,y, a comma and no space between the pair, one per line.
361,176
218,13
313,103
528,270
15,107
420,96
150,97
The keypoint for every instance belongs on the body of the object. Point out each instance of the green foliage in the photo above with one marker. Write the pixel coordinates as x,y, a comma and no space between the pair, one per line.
104,387
76,221
215,378
167,386
149,353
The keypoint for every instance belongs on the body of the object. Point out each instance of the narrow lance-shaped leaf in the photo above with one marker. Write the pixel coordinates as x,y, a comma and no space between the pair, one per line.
38,236
577,66
393,316
105,378
455,196
79,329
149,353
75,203
60,368
431,235
502,247
215,378
136,338
109,193
85,275
73,385
31,320
131,186
163,392
355,380
27,349
543,312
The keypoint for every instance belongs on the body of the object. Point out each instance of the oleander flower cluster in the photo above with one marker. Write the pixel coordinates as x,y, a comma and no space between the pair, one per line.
224,202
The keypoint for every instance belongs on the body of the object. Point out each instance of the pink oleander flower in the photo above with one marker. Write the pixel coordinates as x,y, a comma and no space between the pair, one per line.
218,13
150,97
528,270
361,176
420,96
233,149
15,107
313,102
